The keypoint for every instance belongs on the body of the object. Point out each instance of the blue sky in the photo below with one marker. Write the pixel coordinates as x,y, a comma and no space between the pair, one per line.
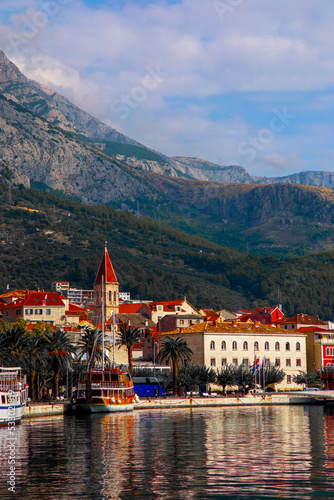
235,82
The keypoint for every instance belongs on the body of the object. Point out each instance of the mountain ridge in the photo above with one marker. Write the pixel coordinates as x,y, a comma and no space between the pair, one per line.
62,113
37,147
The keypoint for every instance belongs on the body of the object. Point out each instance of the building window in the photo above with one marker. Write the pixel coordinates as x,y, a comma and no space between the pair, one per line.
223,345
276,346
245,346
256,346
38,311
213,362
245,362
288,362
277,362
48,312
297,346
212,346
292,326
159,308
287,346
110,296
288,379
298,362
29,311
328,351
266,346
224,361
234,345
18,312
235,361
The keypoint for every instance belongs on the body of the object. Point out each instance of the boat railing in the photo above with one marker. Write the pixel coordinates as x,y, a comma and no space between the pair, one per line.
11,386
108,385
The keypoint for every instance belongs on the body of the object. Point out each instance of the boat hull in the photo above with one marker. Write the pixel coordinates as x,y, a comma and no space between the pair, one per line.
11,414
102,408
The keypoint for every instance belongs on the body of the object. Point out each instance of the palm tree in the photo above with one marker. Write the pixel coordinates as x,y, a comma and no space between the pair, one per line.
13,346
226,377
175,350
91,344
128,336
37,356
60,350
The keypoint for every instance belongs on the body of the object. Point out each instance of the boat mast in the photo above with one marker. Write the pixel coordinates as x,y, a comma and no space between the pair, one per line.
102,304
113,327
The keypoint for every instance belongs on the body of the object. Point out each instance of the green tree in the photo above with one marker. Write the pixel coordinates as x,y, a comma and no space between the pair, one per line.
175,350
37,359
191,376
13,346
61,353
91,344
226,376
128,337
272,375
244,377
307,378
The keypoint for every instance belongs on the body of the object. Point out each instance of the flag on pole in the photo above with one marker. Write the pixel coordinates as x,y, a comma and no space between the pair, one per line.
256,364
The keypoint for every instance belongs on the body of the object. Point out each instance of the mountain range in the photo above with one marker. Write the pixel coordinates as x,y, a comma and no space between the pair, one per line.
48,143
59,112
88,183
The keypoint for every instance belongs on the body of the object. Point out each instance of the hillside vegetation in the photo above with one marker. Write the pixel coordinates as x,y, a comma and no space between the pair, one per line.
65,241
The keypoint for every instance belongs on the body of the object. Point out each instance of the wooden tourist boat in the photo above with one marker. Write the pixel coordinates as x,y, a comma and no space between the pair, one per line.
107,390
13,395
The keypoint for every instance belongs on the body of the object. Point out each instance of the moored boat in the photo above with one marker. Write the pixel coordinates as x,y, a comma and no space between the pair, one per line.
13,394
105,390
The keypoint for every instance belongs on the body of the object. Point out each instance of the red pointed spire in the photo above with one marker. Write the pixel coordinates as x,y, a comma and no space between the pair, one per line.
106,270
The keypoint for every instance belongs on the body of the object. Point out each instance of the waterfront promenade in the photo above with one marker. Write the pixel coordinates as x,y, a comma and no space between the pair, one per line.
271,399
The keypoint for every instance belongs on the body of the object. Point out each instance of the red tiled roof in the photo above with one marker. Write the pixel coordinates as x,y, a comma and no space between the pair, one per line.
129,308
213,317
106,270
168,305
13,305
37,298
315,329
301,319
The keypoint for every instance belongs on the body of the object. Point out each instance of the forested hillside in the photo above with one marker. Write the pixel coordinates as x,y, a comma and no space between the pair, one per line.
65,240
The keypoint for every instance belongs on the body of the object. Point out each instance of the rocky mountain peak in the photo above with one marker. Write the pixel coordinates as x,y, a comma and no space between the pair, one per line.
9,73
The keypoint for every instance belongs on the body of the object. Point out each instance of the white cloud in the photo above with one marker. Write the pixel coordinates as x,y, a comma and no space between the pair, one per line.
97,55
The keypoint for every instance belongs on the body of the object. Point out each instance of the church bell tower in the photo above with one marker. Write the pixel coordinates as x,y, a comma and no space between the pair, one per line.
106,291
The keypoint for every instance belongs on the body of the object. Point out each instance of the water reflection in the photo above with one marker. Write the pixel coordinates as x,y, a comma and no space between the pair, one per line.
267,448
268,452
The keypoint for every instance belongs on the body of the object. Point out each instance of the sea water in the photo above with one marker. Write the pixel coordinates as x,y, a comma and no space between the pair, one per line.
254,453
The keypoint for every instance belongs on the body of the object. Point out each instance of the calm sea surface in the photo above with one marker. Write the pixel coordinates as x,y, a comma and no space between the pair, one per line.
256,453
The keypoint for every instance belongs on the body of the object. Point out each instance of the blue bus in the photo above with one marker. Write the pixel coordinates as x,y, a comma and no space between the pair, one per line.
147,387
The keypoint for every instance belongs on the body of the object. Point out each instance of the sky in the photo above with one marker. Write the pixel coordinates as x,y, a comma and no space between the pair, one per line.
234,82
